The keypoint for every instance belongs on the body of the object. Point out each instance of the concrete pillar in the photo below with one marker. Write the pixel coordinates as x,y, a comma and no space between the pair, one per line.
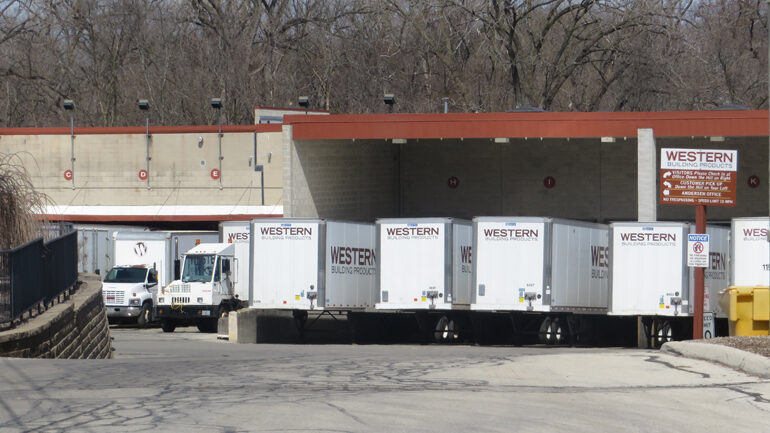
288,159
647,174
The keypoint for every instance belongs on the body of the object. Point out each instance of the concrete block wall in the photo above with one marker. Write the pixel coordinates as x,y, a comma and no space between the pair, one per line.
342,179
75,329
593,180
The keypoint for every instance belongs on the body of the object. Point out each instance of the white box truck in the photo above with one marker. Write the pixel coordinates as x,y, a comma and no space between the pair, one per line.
307,264
127,294
650,279
750,252
558,268
426,265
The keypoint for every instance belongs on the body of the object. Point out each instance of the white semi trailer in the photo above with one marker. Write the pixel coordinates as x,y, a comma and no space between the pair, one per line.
750,252
550,275
650,279
426,267
237,233
304,265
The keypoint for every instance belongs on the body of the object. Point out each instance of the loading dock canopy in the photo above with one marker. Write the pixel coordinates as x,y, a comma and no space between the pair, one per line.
583,166
735,123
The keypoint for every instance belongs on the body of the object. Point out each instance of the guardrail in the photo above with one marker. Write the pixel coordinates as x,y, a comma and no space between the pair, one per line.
33,275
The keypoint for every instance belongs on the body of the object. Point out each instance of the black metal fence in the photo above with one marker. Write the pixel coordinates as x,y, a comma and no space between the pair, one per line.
35,274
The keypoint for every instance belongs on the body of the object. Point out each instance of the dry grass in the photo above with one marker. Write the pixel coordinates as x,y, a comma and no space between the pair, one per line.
20,204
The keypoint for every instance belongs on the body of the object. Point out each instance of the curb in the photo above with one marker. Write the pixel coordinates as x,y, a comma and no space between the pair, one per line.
751,363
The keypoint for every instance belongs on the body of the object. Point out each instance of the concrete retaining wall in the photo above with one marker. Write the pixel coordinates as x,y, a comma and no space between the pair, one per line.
75,329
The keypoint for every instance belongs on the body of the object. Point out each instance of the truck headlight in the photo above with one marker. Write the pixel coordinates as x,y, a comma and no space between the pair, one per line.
161,300
134,302
200,300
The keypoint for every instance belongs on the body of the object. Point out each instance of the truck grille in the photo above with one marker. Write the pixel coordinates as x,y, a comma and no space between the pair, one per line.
180,299
114,297
179,288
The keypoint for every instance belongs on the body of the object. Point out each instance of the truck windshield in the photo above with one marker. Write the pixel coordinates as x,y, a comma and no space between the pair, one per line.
126,275
198,268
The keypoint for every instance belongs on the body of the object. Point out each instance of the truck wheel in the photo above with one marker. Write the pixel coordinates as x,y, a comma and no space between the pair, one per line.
663,333
557,332
442,329
167,325
454,332
207,326
145,317
544,336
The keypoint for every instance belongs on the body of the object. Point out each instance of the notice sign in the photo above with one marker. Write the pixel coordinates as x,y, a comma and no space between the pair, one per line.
709,328
698,251
698,176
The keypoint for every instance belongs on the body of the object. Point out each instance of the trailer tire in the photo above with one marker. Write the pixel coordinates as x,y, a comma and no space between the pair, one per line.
167,325
454,334
145,316
207,326
557,331
663,333
442,329
544,335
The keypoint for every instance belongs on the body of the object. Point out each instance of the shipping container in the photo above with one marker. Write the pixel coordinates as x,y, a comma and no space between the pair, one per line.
425,263
750,252
539,264
313,264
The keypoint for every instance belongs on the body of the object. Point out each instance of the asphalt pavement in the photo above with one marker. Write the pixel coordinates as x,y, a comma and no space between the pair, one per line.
192,382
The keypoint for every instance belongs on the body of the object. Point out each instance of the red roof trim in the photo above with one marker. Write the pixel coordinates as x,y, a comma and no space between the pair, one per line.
528,124
274,127
156,218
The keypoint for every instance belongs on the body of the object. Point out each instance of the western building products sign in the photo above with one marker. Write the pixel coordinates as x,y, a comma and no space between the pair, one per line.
698,176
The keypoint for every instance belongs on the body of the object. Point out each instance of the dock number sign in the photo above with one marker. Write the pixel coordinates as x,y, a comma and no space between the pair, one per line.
698,176
698,251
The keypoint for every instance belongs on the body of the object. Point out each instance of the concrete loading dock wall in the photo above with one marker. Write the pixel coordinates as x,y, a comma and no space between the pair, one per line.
108,162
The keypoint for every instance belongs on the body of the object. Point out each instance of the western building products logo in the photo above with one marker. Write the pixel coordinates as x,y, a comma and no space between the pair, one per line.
646,238
699,159
412,231
755,234
285,231
517,234
353,260
238,237
466,257
140,249
600,260
717,266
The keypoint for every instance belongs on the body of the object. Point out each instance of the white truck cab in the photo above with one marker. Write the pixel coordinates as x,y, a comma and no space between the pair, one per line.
208,288
128,293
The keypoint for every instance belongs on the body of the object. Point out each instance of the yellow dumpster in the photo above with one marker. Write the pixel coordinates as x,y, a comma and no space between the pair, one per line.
748,309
